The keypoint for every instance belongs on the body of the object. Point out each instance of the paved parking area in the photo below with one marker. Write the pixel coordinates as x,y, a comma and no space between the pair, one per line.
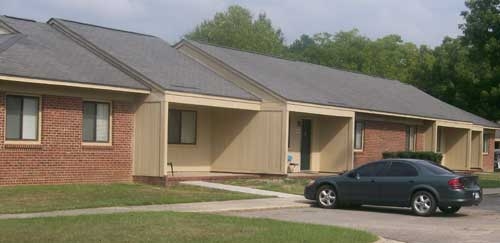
470,224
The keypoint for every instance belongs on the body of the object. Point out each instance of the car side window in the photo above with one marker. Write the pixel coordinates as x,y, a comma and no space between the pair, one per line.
370,170
401,169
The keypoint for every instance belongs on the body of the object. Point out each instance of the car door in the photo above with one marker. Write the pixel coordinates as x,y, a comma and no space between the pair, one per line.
396,182
362,184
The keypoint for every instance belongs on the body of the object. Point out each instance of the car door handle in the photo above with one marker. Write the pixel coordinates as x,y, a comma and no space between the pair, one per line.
411,181
373,180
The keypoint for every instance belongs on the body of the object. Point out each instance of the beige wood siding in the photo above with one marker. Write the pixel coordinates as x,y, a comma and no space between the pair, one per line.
476,150
197,157
430,131
247,141
455,148
147,148
336,148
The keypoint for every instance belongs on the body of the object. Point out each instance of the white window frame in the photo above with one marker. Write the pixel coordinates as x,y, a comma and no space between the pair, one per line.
410,138
110,125
487,147
362,136
38,140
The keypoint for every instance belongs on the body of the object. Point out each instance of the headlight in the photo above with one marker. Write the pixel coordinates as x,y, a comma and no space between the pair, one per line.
310,183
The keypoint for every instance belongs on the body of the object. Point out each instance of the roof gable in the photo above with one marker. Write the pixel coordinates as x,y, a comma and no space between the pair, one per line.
156,61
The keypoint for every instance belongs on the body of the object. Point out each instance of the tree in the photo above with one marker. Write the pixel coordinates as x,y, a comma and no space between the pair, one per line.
236,28
482,39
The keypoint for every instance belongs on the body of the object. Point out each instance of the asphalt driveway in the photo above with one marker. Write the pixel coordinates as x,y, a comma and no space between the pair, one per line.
471,224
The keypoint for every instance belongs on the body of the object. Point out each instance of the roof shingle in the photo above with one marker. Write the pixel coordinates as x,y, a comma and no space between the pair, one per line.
311,83
39,51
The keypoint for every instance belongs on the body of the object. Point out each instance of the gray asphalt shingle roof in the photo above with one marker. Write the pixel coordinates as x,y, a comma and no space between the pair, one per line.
39,51
158,61
305,82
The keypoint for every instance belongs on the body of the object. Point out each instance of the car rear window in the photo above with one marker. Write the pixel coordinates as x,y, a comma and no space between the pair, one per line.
435,169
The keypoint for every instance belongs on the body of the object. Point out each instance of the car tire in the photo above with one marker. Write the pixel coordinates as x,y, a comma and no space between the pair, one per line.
423,203
449,209
326,197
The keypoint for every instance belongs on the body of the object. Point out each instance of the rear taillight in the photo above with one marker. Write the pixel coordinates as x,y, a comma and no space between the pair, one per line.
455,183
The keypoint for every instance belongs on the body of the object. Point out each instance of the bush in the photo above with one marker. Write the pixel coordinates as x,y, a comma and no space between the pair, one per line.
425,155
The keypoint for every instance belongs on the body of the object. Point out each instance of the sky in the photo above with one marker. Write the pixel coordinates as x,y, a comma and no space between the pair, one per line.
419,21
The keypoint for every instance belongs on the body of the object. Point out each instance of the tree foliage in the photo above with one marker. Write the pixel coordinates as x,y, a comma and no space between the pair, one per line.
463,71
237,28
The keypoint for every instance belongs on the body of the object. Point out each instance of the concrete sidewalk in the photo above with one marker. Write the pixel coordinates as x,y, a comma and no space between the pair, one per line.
202,207
490,191
242,189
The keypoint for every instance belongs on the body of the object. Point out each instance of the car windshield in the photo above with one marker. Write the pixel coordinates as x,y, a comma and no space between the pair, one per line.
435,169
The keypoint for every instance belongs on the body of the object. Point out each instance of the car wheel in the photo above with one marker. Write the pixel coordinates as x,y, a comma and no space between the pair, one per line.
327,197
423,203
449,209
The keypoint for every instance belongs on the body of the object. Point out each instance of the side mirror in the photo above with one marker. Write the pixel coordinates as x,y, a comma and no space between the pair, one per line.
358,176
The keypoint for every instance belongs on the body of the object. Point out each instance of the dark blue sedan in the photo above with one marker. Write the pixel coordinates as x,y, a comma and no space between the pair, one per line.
422,185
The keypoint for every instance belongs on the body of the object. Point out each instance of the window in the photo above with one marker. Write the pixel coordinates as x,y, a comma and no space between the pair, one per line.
439,148
22,118
486,143
181,127
401,169
411,137
372,169
359,133
435,169
96,125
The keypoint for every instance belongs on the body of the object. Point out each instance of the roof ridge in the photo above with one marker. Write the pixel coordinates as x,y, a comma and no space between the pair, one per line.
297,61
18,18
104,27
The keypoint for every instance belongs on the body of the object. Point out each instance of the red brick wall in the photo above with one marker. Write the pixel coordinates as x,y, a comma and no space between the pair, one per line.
384,136
488,158
61,157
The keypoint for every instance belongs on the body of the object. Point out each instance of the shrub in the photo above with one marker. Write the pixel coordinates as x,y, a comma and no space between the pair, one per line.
424,155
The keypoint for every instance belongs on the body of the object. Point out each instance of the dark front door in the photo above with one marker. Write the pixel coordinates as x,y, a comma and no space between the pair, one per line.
305,145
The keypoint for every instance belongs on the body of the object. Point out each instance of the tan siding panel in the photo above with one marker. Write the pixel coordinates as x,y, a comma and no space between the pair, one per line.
456,148
147,140
476,150
247,141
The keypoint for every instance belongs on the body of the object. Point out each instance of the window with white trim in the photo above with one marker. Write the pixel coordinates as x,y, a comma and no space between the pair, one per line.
486,143
411,138
359,133
22,118
96,122
181,127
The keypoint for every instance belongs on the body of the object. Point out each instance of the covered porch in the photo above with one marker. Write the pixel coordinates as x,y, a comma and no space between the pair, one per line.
320,141
460,145
223,140
205,136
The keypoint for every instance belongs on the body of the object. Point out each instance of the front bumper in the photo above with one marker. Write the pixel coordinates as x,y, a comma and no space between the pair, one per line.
310,192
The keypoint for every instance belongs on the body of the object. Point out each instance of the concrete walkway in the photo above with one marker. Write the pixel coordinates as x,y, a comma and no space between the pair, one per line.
201,207
490,191
242,189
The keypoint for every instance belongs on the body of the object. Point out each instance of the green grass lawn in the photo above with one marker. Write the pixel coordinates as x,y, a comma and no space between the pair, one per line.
171,227
21,199
287,185
491,180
